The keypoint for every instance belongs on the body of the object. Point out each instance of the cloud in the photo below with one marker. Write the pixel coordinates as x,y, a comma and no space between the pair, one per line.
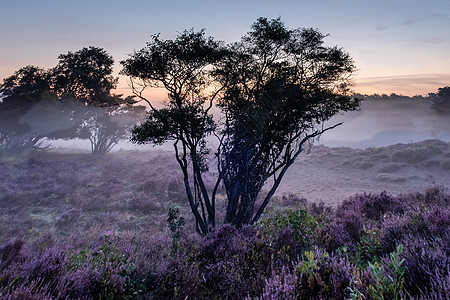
409,85
411,20
430,39
382,27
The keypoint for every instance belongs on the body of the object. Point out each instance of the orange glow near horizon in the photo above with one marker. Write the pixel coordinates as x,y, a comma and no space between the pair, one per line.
407,85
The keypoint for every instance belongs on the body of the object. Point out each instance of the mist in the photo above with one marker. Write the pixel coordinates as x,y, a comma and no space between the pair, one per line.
386,121
380,122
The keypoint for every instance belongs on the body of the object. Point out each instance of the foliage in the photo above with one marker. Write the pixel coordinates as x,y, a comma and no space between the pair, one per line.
229,264
29,83
386,286
274,88
175,224
99,273
441,100
292,233
368,249
72,100
86,76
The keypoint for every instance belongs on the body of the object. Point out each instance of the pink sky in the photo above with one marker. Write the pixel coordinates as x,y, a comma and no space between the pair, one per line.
399,46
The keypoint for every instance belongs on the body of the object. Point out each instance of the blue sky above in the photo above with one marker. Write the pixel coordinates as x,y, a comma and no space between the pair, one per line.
398,46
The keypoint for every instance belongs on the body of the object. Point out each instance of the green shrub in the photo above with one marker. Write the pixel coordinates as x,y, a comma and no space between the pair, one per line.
388,286
303,224
368,249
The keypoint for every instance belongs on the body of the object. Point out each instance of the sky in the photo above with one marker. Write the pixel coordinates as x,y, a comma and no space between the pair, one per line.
399,46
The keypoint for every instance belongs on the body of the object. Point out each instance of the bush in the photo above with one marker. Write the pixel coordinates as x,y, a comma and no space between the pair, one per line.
292,232
230,263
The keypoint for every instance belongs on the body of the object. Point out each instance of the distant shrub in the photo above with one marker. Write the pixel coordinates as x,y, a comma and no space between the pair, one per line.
416,153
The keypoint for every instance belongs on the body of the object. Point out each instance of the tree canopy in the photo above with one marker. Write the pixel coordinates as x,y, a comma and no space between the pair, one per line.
71,100
274,88
279,86
441,100
85,75
27,83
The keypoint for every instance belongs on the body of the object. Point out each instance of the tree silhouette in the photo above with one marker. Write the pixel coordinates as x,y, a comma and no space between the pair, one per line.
29,82
441,105
180,66
71,100
275,88
441,100
85,75
105,127
20,92
279,86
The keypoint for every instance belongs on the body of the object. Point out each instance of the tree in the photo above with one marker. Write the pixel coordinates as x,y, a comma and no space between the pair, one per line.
275,88
441,105
279,86
20,92
180,66
29,82
105,127
441,100
72,100
85,75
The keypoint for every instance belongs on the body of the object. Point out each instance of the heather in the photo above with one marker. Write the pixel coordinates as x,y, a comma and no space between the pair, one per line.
83,227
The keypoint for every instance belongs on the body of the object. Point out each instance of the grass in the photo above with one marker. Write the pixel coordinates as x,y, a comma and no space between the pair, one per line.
84,227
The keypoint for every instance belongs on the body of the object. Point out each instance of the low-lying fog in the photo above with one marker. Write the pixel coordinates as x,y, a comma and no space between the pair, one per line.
378,123
386,122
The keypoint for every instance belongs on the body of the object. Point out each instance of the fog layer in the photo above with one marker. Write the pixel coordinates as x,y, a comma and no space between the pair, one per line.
387,122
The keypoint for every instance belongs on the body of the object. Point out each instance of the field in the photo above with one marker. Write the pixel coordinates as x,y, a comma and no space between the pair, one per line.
79,226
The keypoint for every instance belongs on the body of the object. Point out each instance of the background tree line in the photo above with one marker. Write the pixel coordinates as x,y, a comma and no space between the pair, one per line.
72,100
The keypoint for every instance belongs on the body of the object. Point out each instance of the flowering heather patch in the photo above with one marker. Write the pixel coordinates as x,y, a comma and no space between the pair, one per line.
90,228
